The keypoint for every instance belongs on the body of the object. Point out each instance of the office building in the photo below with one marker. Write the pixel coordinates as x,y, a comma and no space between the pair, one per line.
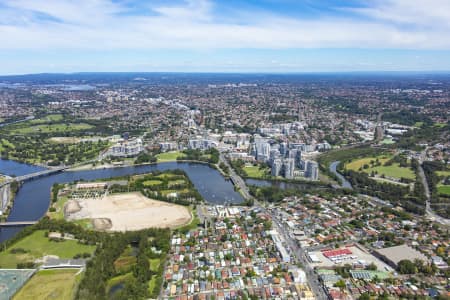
288,168
312,170
276,167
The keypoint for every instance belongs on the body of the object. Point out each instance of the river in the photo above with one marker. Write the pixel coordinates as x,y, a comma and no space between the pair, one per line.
285,185
33,198
344,182
14,168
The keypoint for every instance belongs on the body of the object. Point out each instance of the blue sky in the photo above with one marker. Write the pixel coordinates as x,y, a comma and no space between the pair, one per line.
224,36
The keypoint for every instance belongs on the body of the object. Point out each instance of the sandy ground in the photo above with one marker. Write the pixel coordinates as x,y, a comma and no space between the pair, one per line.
130,211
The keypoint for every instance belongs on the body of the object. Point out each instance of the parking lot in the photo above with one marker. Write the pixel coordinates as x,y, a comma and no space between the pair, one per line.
357,257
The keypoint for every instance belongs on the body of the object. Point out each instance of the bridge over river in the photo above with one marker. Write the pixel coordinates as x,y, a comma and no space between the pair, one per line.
19,223
39,174
33,175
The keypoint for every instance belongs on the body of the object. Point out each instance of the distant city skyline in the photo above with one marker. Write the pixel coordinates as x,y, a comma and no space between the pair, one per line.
267,36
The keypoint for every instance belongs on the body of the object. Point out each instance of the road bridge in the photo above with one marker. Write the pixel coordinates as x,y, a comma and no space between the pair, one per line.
18,223
39,174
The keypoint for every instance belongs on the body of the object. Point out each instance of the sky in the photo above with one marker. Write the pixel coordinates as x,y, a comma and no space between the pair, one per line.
269,36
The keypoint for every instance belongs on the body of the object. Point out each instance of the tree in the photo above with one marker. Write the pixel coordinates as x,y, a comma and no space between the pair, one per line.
340,284
364,296
405,266
372,267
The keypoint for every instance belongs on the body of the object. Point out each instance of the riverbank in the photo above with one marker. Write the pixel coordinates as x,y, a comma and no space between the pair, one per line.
32,200
91,166
7,196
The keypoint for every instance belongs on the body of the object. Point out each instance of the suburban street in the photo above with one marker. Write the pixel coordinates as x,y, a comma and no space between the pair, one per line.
294,249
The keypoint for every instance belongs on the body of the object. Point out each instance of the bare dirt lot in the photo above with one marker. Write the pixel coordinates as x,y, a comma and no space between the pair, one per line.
129,211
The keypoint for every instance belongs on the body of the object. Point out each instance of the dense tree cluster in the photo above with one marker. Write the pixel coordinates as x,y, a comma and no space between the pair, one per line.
425,134
178,181
101,268
38,148
109,247
35,145
406,117
145,157
210,156
396,194
430,168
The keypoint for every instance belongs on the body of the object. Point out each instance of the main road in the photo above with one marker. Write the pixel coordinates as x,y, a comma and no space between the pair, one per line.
295,250
431,214
300,256
237,180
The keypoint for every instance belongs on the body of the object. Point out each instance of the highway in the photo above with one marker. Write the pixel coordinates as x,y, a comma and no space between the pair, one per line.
237,180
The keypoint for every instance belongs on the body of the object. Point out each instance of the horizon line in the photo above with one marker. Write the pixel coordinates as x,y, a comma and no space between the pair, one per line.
427,72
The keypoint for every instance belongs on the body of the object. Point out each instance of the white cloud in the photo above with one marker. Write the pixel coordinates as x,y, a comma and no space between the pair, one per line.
419,13
103,24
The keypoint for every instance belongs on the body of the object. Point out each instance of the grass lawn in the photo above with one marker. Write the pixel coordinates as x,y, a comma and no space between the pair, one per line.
178,192
46,119
195,222
152,284
50,284
7,143
390,181
85,223
166,175
169,156
154,264
116,280
176,182
440,125
443,189
359,163
393,170
59,206
387,142
443,173
37,245
152,182
124,263
255,171
52,128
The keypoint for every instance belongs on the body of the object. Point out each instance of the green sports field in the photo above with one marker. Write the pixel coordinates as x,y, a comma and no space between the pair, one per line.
443,173
36,245
152,182
443,189
46,119
52,128
394,170
255,171
50,284
169,156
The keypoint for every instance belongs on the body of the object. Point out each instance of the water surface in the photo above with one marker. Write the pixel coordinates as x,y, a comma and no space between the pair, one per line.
33,198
